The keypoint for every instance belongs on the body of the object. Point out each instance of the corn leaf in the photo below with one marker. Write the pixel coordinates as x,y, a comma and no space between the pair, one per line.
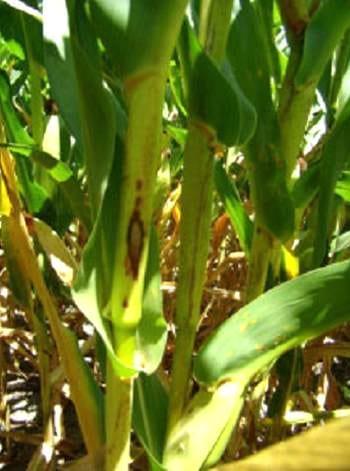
98,122
205,420
152,330
87,396
324,447
334,157
59,64
225,109
280,319
306,187
88,292
149,422
129,25
324,31
249,52
60,258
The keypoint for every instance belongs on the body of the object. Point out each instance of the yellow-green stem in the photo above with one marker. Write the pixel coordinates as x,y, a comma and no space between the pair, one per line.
119,395
196,200
139,176
142,153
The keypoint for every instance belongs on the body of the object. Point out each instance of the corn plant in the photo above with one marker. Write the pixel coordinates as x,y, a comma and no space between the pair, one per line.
242,106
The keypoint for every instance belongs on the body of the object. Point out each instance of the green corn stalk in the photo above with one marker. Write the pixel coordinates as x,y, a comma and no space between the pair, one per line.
196,202
144,79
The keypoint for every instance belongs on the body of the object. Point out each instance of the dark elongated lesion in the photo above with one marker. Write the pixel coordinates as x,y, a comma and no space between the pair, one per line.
135,242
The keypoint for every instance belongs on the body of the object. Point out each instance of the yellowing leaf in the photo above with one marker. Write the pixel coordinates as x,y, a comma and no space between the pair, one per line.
322,448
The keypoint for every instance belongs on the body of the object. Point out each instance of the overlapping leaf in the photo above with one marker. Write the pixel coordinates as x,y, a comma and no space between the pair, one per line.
129,25
324,31
249,52
225,109
278,320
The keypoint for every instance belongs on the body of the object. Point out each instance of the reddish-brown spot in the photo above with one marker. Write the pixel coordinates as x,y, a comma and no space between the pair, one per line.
125,303
135,240
138,202
29,223
139,184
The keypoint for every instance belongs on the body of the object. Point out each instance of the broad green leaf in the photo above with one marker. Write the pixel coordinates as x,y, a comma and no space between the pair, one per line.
195,436
59,64
137,26
268,24
249,54
98,122
280,319
323,447
325,30
149,422
213,95
233,205
334,157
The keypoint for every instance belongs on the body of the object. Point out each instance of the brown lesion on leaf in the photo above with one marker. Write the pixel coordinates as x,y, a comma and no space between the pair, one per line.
135,241
138,202
139,184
